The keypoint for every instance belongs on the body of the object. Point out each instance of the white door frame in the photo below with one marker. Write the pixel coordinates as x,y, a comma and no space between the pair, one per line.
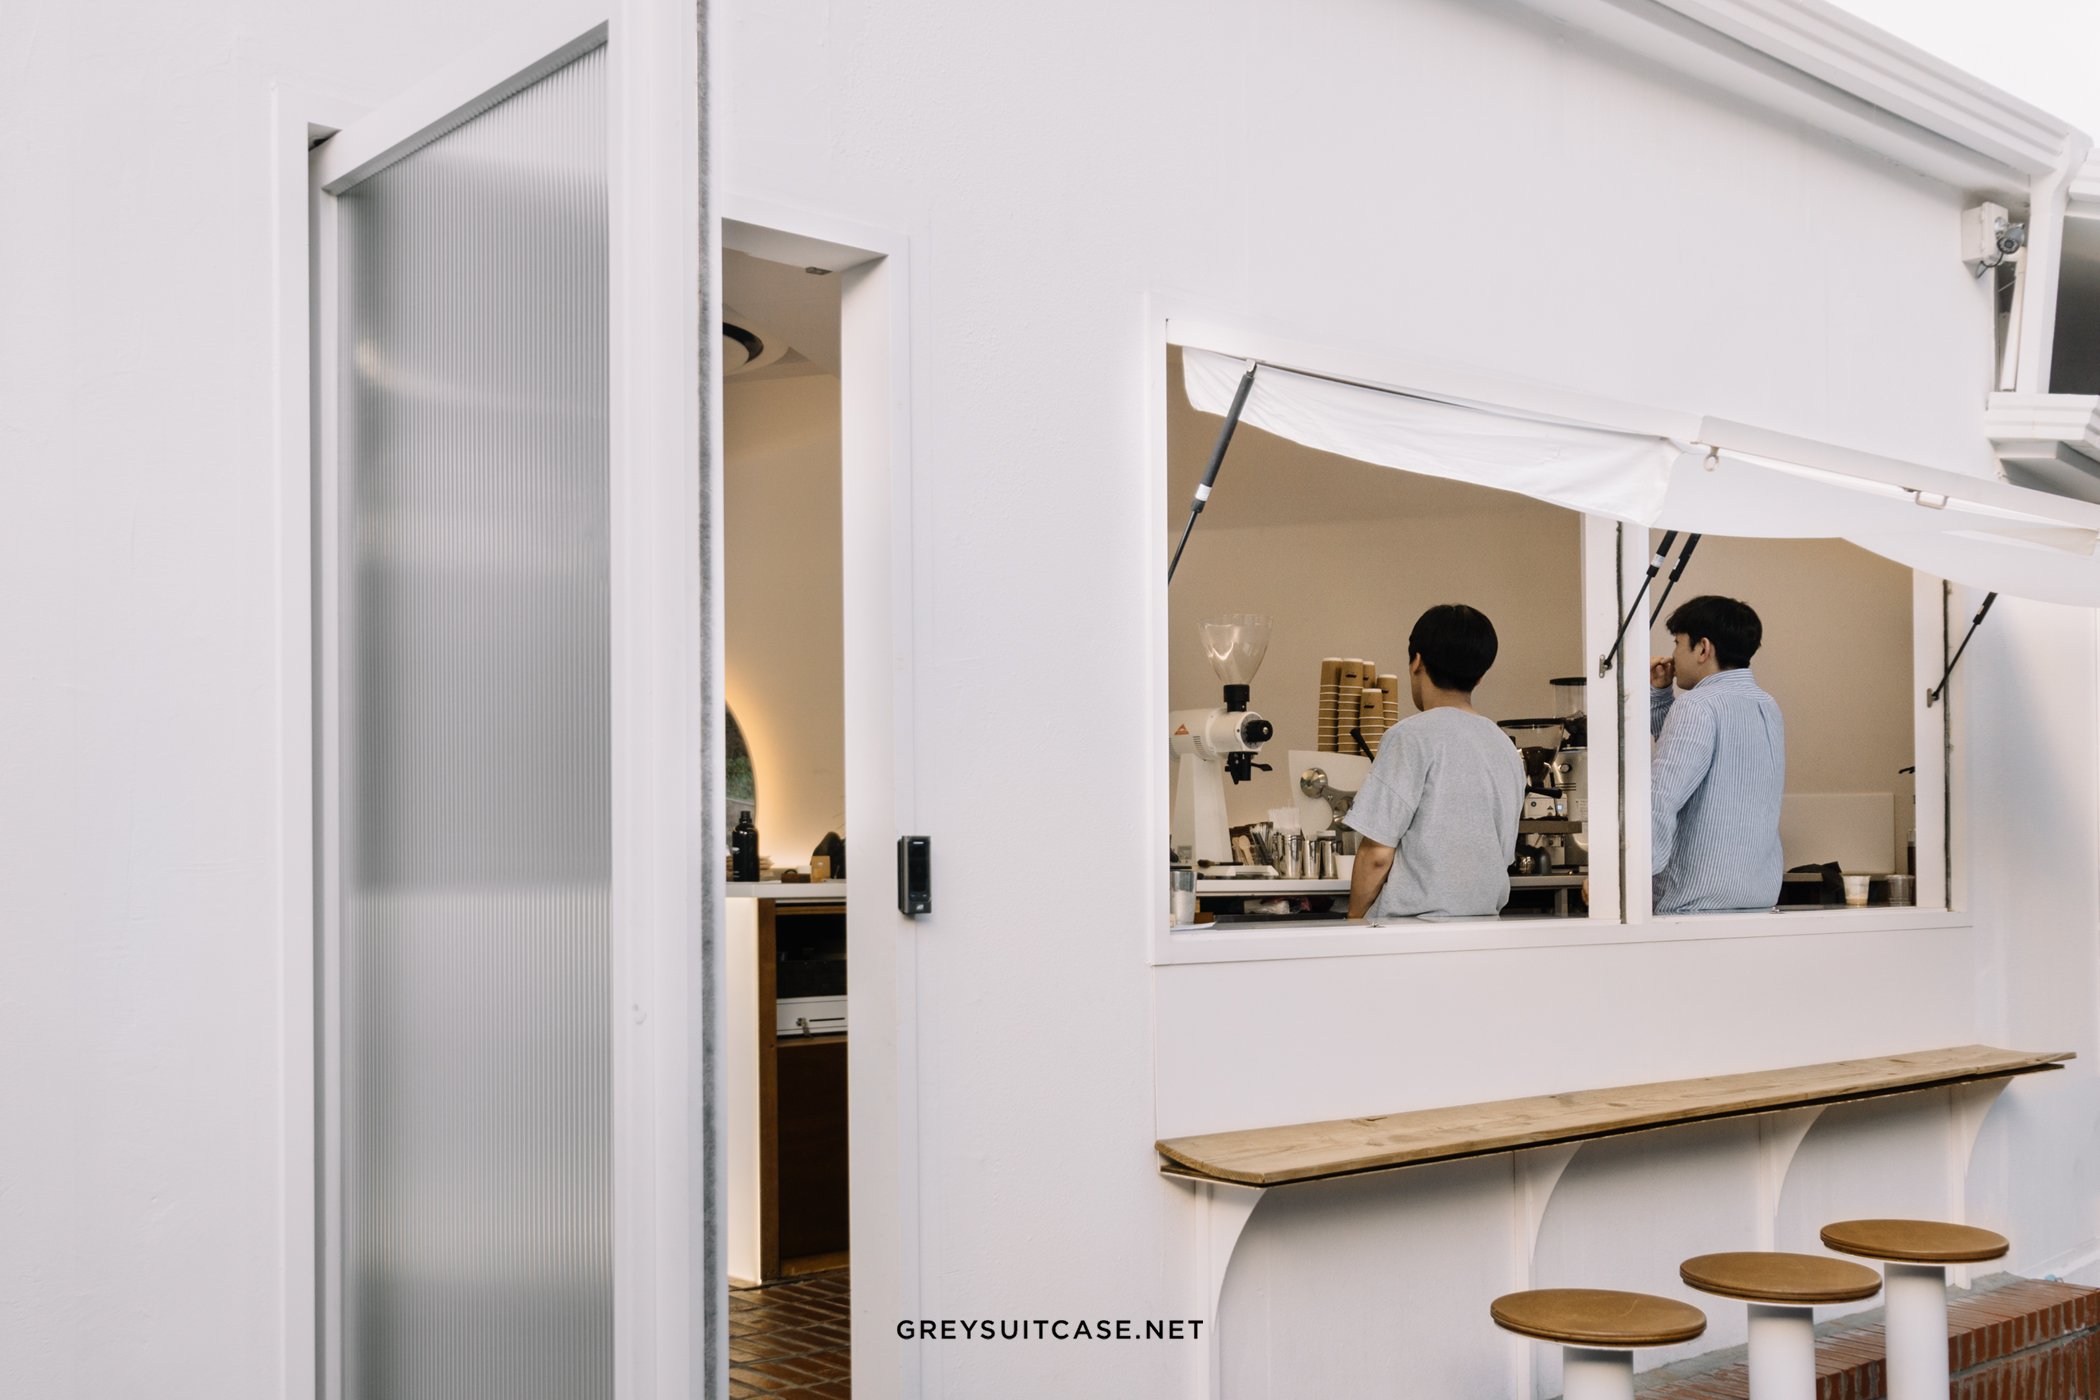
883,613
670,1313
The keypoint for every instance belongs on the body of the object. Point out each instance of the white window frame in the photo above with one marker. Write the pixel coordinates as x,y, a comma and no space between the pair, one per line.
1619,911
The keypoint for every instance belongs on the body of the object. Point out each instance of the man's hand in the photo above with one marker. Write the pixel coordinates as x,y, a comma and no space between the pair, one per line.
1662,672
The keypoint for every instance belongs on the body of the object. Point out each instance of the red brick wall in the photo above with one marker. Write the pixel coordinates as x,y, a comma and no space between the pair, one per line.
2019,1339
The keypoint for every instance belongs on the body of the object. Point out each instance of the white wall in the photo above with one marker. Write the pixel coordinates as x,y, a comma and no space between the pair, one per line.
140,927
1417,177
1426,177
781,603
2027,709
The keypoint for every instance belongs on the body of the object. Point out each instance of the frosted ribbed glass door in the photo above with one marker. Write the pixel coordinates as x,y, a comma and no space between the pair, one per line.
474,938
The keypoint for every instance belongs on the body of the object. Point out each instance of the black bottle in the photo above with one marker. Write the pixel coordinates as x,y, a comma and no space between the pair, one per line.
743,850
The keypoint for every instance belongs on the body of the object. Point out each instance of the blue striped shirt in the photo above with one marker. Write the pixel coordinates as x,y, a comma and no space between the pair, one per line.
1720,768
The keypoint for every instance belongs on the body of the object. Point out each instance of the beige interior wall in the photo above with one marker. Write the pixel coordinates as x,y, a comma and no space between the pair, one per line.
1836,656
1343,556
784,643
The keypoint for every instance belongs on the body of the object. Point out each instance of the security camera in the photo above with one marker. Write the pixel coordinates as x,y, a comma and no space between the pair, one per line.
1989,237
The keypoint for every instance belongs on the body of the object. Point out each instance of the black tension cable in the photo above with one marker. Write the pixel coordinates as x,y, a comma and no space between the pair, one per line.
1662,554
1217,459
1675,574
1932,696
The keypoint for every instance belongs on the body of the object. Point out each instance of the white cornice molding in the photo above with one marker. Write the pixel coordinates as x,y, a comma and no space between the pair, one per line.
1812,61
1877,67
2047,441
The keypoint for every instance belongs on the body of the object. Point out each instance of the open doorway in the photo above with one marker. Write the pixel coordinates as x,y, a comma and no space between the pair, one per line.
788,1031
820,971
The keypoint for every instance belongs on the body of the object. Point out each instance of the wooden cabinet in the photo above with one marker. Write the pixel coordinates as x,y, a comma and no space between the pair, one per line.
801,1092
810,1148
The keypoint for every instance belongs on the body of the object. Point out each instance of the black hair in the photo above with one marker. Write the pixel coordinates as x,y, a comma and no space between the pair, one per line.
1731,626
1456,643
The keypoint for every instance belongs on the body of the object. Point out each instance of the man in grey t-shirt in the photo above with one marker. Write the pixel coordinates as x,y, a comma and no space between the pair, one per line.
1438,814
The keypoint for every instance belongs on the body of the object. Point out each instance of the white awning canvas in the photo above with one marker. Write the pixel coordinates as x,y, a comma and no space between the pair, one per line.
1593,470
1983,533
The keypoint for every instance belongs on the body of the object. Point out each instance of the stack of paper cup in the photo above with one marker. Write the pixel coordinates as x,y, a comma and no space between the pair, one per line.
1349,708
1330,700
1391,686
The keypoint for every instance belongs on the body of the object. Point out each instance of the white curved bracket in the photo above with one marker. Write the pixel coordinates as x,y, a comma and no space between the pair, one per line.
1534,1174
1219,1212
1779,1138
1967,1106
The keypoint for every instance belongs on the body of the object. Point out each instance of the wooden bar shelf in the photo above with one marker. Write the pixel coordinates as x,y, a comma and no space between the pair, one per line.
1264,1157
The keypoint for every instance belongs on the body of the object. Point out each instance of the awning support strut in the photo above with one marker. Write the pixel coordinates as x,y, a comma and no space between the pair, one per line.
1934,695
1675,574
1662,556
1217,459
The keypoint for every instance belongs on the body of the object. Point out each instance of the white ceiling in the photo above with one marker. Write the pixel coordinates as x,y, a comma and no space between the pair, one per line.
784,303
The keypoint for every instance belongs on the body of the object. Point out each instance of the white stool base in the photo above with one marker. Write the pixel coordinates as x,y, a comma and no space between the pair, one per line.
1916,1330
1782,1352
1587,1373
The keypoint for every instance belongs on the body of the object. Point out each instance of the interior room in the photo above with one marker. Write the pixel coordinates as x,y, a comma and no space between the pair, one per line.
785,782
1339,556
1837,658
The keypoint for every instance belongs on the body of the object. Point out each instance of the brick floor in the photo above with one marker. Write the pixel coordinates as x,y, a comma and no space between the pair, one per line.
2009,1339
788,1341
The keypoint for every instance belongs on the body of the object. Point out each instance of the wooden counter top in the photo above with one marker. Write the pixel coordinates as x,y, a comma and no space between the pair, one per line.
1311,1151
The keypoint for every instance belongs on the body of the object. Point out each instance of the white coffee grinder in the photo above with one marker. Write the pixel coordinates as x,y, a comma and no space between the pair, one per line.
1209,744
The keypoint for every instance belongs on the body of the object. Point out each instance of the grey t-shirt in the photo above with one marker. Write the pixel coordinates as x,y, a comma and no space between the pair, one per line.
1445,792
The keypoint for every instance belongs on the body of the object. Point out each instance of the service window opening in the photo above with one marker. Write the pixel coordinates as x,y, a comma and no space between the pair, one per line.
1836,655
1294,602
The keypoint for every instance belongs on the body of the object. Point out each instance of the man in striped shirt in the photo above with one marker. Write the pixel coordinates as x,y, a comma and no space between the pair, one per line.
1720,765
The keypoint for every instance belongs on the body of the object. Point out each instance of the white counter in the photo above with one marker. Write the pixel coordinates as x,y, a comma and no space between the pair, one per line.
1271,887
782,890
1257,888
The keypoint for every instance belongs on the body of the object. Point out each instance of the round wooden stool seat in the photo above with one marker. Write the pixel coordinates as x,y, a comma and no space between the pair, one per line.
1598,1317
1797,1280
1915,1241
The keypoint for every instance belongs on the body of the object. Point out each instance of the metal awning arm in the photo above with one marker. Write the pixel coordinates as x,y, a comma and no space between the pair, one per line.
1675,574
1662,555
1934,695
1217,459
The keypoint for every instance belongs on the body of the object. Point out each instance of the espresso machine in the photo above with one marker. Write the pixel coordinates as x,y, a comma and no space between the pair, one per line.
1211,745
1553,827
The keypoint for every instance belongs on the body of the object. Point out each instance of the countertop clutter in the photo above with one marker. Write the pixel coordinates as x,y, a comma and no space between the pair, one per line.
1295,863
